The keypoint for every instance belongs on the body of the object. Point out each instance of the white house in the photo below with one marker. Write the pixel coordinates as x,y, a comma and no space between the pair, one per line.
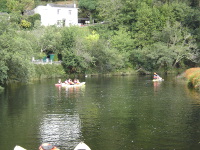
56,14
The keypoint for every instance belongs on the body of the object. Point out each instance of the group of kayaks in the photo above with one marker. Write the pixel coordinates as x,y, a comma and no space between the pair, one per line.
156,78
70,85
47,146
83,83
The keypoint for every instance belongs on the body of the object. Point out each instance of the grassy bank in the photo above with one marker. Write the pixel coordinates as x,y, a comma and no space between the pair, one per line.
48,71
193,78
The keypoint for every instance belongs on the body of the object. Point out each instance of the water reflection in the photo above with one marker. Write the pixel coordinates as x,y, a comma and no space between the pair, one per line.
60,129
118,113
156,86
75,91
194,94
71,91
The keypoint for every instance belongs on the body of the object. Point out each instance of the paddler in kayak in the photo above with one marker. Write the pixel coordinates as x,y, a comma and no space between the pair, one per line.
76,81
70,82
156,76
47,146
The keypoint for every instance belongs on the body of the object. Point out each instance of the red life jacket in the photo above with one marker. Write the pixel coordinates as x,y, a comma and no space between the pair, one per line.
47,146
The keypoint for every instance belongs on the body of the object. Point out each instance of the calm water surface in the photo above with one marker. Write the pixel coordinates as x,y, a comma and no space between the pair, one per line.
108,113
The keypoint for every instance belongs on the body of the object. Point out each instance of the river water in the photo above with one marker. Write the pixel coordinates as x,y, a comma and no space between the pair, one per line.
108,113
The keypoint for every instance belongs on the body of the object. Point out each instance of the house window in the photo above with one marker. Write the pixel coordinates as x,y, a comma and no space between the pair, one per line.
58,11
70,12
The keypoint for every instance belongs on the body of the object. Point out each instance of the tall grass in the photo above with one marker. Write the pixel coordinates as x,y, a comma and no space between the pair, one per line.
193,77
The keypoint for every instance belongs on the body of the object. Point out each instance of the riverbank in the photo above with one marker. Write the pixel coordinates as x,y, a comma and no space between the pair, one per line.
192,76
48,71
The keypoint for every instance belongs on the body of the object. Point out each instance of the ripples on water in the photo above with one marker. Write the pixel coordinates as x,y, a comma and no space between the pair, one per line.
108,113
60,129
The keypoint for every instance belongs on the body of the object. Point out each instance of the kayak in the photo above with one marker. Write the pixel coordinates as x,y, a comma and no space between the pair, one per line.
154,80
17,147
70,85
82,146
47,146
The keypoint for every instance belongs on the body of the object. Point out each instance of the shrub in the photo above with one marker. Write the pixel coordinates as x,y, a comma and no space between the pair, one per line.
193,77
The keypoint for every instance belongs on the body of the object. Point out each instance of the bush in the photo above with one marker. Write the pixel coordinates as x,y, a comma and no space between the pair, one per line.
193,77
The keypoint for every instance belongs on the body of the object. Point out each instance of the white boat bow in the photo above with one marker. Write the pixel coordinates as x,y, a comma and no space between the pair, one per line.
82,146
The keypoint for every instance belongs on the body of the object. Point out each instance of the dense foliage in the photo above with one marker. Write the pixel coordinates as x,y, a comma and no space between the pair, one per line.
137,34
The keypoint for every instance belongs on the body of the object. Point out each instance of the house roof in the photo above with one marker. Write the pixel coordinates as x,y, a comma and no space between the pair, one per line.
61,5
31,12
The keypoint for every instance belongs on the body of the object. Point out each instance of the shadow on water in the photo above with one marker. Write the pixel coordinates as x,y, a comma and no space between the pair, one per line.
110,113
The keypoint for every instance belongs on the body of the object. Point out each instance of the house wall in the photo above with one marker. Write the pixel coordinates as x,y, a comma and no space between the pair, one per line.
60,16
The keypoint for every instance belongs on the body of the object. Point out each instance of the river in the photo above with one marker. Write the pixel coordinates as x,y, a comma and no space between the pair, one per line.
108,113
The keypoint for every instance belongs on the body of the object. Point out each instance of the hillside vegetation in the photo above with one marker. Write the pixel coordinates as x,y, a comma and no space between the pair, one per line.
148,35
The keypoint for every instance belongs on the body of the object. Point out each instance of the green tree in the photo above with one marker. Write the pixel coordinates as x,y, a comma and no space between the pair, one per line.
148,20
174,44
34,40
192,20
4,23
73,63
124,47
16,61
19,64
68,37
33,18
75,56
3,52
6,35
19,5
50,40
106,58
111,11
180,11
3,7
89,8
170,48
159,56
89,53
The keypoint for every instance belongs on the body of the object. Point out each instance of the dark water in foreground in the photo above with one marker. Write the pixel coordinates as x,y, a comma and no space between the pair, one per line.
118,113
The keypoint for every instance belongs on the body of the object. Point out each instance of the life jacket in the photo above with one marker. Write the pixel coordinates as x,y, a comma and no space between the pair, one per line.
47,146
156,76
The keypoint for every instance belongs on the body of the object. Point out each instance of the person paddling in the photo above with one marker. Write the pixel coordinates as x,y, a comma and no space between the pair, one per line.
70,82
76,81
156,76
